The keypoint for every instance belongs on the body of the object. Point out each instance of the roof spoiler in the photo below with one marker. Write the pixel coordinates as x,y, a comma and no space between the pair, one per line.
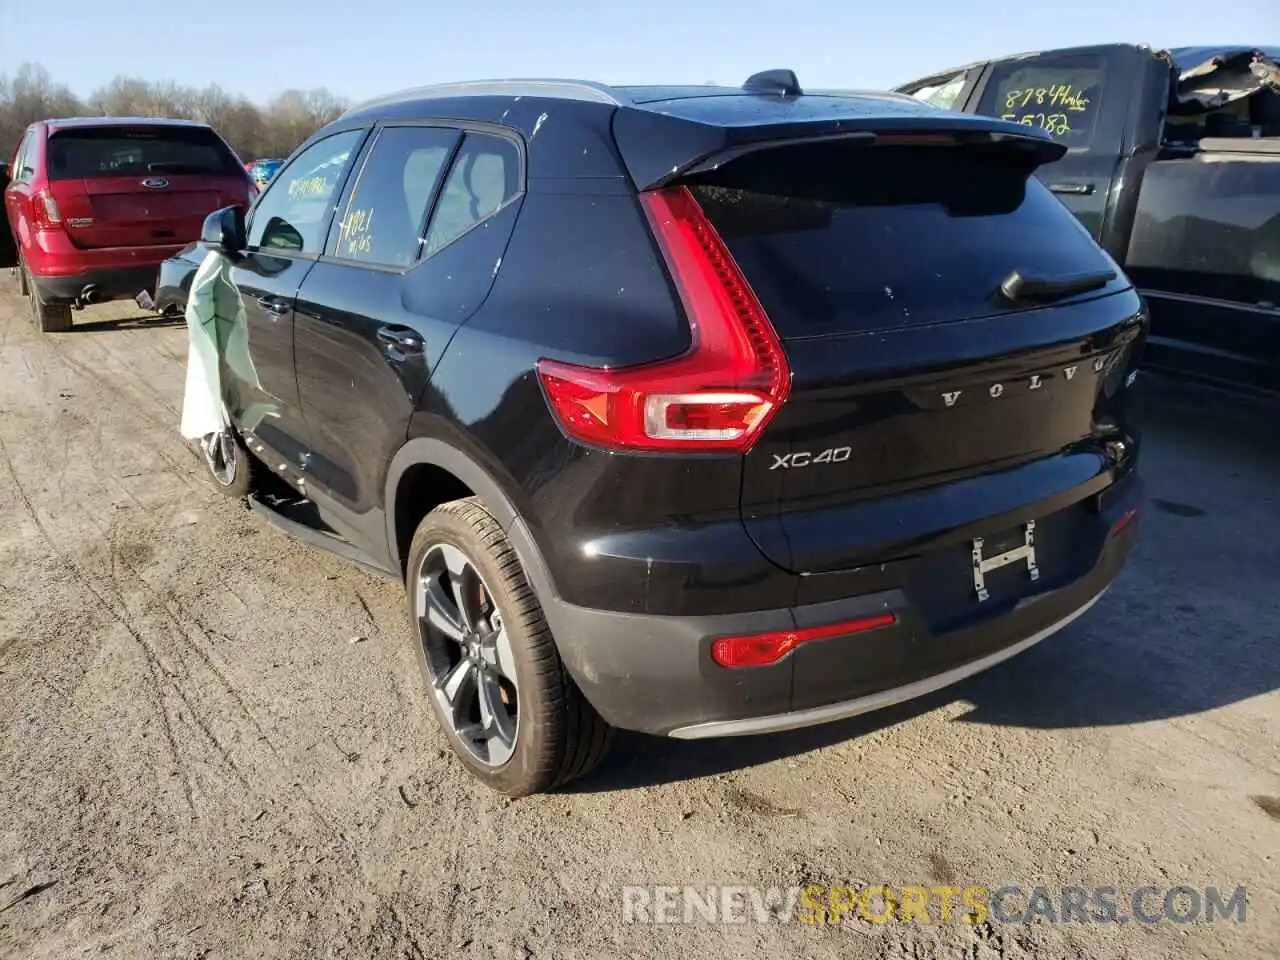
660,148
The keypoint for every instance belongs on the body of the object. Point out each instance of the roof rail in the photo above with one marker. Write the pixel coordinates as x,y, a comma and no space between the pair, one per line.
585,90
784,83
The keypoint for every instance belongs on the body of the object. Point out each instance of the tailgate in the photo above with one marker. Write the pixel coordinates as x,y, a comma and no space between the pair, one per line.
140,186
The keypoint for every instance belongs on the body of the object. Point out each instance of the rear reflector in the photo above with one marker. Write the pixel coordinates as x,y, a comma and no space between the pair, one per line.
763,649
1130,515
719,395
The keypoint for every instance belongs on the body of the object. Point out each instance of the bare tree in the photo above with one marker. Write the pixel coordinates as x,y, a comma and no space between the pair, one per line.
253,131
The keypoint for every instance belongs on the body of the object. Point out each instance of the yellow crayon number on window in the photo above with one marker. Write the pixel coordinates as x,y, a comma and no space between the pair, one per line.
1048,108
309,188
356,233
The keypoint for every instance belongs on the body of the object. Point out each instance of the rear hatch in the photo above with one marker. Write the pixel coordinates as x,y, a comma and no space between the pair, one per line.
144,185
880,261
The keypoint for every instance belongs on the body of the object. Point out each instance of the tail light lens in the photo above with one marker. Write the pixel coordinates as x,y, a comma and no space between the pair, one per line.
721,394
47,209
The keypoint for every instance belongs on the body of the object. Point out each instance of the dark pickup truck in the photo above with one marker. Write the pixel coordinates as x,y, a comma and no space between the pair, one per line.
1173,164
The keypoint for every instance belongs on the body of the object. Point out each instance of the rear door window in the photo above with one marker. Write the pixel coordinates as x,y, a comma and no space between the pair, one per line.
143,151
484,177
293,215
1059,94
838,239
386,216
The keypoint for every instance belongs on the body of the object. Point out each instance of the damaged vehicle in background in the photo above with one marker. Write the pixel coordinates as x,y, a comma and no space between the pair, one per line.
95,204
1173,164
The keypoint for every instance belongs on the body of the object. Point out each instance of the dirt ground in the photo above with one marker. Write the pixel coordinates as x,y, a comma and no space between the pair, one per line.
215,744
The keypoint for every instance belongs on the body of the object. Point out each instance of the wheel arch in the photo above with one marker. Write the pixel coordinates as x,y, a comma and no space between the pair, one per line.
460,474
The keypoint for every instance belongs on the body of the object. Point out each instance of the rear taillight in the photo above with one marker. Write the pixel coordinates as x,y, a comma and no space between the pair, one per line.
719,395
47,209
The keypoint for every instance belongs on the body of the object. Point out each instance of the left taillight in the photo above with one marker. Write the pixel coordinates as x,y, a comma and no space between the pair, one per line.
719,395
46,209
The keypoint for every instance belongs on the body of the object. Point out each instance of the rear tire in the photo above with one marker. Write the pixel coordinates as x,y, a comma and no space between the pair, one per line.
228,464
555,736
49,317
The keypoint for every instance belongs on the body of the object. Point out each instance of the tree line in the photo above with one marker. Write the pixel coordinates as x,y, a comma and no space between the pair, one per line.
254,131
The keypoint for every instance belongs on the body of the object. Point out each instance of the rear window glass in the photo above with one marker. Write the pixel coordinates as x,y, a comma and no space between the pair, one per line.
121,152
1061,95
837,239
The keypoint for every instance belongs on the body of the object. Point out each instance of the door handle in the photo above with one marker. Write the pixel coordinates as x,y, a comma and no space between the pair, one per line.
400,341
275,306
1076,189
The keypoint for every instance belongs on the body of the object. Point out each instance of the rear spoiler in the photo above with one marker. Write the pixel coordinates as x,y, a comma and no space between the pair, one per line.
660,148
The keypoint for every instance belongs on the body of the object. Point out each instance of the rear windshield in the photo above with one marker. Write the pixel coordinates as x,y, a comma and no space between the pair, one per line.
123,152
837,239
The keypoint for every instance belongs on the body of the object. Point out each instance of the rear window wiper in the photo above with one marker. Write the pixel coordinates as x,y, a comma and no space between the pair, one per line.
1021,285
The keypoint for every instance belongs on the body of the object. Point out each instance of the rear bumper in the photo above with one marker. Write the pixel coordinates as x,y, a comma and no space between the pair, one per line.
108,283
883,698
655,673
61,270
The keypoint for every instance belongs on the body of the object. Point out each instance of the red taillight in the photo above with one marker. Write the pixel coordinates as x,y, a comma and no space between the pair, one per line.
46,208
719,395
762,649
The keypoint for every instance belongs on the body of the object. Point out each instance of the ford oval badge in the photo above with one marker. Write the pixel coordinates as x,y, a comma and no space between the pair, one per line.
155,182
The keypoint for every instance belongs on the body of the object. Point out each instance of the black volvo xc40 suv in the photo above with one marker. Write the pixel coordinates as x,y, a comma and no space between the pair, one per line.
698,411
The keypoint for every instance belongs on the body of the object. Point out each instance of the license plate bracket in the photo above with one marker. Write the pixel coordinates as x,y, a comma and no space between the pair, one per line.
982,565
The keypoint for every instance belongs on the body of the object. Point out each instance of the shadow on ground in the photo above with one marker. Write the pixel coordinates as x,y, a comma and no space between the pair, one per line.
1190,625
127,323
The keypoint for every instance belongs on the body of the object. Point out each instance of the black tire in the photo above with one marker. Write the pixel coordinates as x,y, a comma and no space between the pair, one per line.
558,734
49,317
231,468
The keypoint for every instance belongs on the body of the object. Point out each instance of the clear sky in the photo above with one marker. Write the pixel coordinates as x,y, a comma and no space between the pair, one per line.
363,48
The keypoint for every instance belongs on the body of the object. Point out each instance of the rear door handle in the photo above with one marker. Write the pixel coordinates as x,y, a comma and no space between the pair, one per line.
276,306
1076,189
400,341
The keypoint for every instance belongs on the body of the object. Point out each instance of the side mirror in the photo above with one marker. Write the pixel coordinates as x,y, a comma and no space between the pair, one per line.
223,231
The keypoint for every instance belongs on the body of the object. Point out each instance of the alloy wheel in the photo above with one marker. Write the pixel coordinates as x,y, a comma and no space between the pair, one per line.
220,456
467,652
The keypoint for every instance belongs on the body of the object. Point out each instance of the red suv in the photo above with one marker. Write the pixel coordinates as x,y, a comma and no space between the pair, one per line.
96,204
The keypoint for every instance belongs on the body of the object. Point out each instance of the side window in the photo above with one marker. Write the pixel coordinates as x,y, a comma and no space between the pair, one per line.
484,176
1059,94
944,92
293,214
385,216
23,161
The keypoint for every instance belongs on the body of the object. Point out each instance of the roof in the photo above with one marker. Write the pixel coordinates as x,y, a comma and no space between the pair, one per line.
588,91
72,122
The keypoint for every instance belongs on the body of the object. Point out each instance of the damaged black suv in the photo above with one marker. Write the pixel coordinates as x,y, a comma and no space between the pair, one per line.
698,411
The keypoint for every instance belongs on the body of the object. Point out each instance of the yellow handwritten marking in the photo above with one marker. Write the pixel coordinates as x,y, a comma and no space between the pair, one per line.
1066,98
356,233
309,188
